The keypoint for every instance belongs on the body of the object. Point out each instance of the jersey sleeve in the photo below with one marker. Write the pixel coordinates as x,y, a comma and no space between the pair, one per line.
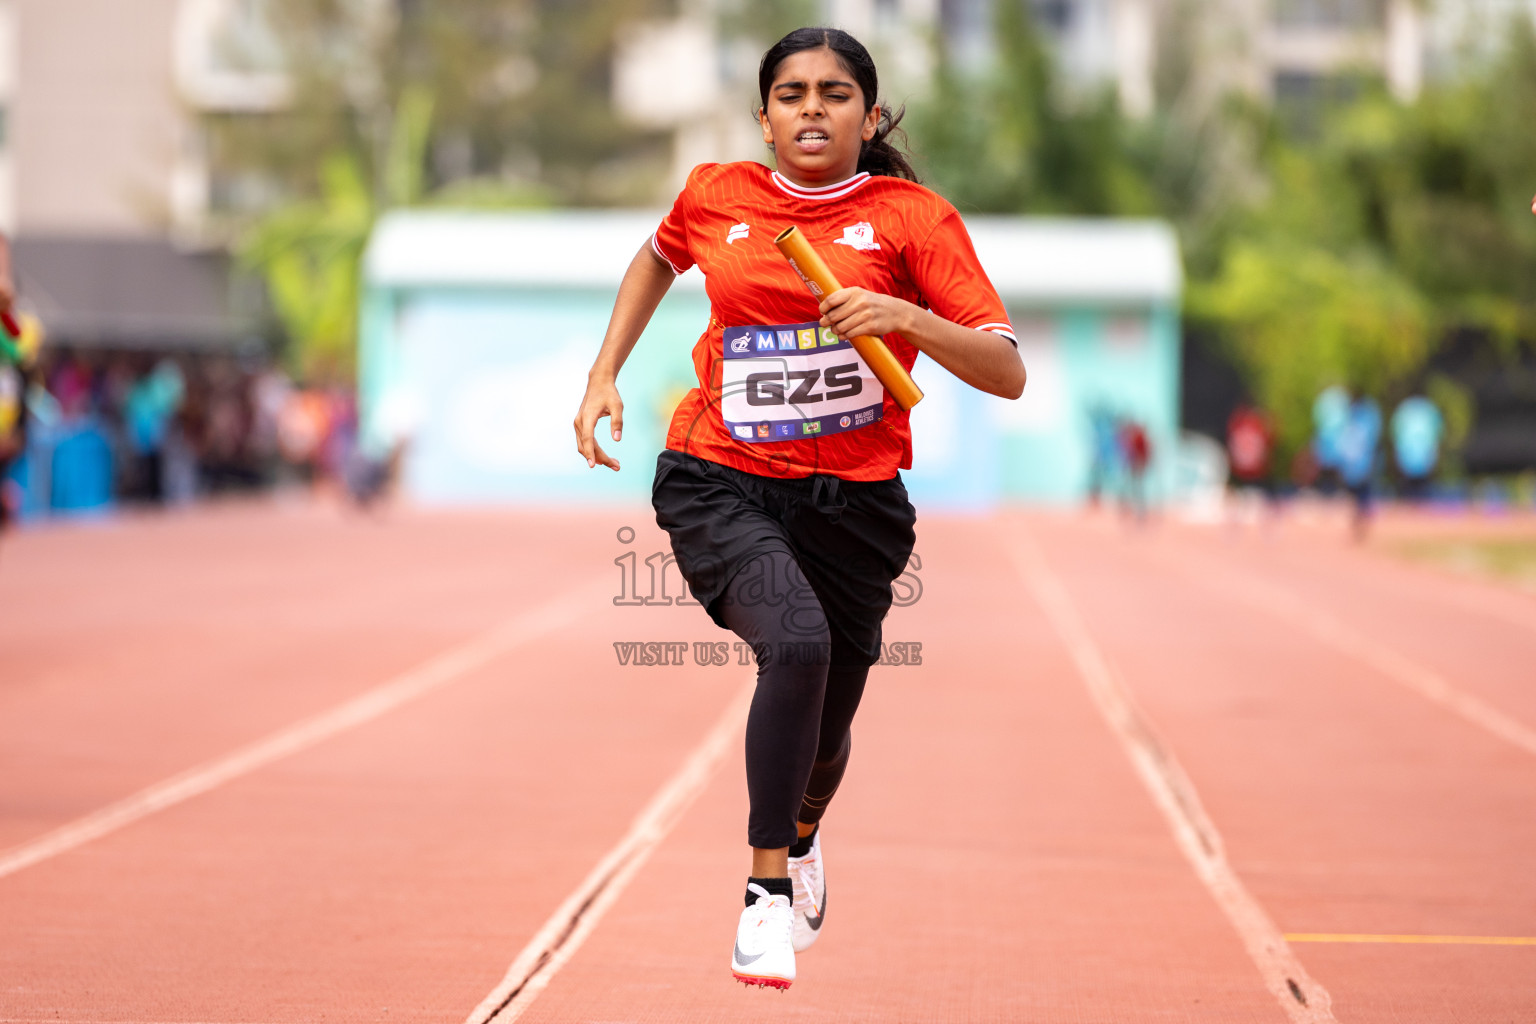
952,282
671,240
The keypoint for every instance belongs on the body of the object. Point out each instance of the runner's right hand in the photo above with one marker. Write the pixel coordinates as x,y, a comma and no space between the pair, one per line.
602,399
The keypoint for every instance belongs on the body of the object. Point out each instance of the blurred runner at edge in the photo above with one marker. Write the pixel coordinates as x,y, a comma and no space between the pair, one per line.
1357,458
1250,444
15,378
1417,427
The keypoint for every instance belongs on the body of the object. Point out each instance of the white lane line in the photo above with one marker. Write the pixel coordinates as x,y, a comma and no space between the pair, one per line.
568,927
1303,999
1286,604
387,696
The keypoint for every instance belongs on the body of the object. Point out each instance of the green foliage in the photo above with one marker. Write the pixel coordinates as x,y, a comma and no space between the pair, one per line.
760,23
487,103
1299,318
310,252
1332,243
1456,407
1010,141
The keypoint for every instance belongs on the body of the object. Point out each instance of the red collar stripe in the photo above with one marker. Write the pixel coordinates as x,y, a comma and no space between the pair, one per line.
834,191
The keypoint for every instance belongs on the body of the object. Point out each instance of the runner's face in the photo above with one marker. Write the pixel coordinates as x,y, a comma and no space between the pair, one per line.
815,119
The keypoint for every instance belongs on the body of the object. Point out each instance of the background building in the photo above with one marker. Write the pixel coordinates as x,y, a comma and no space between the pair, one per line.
102,178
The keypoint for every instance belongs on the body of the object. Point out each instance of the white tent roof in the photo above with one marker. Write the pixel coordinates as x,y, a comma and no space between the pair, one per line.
1028,259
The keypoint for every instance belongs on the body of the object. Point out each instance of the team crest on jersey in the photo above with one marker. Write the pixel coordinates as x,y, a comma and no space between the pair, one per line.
861,236
739,231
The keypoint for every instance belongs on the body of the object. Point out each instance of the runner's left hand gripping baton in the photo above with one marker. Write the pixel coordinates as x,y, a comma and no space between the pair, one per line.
813,270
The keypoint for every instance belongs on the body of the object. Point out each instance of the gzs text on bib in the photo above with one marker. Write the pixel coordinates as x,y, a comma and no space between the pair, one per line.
786,381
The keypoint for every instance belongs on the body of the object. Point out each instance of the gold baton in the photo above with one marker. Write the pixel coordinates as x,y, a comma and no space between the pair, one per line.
813,270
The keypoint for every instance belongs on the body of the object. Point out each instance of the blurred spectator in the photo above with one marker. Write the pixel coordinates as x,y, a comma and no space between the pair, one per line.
1417,427
1357,443
375,465
1250,446
73,387
151,405
270,391
201,423
17,379
1304,469
224,453
1104,455
1330,414
1136,454
340,445
303,426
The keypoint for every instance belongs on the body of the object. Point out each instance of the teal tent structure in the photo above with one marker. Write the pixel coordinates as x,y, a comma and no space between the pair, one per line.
478,330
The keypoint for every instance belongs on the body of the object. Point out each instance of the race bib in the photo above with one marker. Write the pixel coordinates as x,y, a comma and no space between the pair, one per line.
789,381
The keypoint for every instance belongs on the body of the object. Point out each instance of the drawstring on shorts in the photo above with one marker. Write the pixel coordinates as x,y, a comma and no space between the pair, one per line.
827,496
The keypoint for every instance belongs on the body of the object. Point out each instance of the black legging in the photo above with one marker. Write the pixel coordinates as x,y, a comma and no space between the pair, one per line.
809,682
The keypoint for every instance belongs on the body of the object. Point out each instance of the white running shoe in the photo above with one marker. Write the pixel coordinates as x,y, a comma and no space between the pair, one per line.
763,953
810,878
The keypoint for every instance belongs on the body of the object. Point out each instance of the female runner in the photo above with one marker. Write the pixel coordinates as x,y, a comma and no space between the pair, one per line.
779,483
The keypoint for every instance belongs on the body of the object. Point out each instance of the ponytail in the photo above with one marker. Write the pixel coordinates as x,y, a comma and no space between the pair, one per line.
880,155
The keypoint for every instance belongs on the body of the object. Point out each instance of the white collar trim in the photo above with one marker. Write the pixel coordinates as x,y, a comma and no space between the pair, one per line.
833,191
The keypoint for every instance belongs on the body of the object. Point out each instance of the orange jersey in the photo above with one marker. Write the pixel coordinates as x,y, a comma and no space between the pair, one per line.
776,396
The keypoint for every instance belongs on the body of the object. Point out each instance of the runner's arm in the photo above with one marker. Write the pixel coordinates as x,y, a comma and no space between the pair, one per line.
985,360
641,291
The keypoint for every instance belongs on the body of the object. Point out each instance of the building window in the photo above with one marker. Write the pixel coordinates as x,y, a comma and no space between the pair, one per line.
1335,14
962,19
1054,15
1303,98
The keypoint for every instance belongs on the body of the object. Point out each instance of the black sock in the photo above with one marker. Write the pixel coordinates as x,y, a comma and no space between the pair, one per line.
802,845
775,886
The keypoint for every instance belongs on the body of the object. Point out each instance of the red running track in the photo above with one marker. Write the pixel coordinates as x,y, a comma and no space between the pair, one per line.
1129,762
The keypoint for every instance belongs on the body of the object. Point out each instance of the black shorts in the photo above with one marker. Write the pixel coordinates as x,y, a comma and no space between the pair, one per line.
851,539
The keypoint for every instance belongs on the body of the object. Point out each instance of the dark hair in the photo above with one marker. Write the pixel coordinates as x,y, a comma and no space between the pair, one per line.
879,155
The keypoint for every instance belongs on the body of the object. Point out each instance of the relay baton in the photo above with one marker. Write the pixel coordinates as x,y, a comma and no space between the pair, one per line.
818,278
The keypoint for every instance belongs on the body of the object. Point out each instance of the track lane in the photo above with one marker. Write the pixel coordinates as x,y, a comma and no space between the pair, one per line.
991,854
391,873
384,874
1479,636
1349,804
147,646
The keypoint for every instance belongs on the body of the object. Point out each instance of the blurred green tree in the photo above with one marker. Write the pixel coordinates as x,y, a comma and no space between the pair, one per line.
1379,234
1011,140
463,102
1334,244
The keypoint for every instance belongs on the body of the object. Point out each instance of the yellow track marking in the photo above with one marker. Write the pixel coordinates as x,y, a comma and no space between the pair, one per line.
1425,940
